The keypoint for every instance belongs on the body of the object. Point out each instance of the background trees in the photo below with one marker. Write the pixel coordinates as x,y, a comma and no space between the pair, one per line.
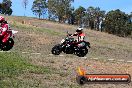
114,22
117,22
60,9
5,7
39,7
25,3
79,14
93,18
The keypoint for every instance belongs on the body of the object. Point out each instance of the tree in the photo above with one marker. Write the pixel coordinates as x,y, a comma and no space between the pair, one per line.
59,9
79,14
90,17
71,16
5,7
117,22
25,3
130,25
94,17
39,7
99,15
130,17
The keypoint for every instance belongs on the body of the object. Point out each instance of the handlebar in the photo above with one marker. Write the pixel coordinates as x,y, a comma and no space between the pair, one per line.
68,34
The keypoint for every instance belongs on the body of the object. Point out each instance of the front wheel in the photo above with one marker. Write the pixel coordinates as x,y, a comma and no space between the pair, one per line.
82,51
56,50
7,46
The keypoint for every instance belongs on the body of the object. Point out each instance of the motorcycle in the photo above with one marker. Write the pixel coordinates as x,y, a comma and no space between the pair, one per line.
68,45
5,46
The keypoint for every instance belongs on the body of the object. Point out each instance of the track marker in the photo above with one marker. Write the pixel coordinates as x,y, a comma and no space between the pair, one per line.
61,55
64,55
129,61
36,53
95,58
121,60
51,54
111,59
25,52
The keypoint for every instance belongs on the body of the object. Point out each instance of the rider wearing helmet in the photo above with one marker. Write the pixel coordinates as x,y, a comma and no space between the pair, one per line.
4,27
79,33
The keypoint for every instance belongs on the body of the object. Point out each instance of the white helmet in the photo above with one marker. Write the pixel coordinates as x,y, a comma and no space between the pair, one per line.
2,19
79,29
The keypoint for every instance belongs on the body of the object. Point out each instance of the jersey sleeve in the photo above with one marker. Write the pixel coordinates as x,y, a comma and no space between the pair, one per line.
5,28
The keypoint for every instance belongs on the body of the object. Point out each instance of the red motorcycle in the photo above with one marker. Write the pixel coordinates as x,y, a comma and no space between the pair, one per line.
68,45
8,40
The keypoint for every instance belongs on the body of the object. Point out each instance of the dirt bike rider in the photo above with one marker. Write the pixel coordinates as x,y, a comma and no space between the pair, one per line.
80,34
3,29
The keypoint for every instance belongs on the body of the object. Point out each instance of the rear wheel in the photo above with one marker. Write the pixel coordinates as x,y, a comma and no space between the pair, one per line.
56,50
82,51
7,46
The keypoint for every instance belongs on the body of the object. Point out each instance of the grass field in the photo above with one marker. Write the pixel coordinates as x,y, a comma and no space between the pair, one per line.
38,69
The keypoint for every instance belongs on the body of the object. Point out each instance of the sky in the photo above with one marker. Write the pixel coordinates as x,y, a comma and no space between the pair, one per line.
107,5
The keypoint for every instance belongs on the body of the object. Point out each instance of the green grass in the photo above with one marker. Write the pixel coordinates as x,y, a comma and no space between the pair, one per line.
13,65
33,28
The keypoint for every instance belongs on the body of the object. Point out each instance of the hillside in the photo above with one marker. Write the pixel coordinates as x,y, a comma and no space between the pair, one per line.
108,54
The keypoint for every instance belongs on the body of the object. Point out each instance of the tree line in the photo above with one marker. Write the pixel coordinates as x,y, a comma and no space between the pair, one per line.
5,7
114,22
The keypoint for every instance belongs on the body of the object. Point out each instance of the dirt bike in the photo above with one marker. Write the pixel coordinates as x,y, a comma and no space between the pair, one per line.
68,45
9,40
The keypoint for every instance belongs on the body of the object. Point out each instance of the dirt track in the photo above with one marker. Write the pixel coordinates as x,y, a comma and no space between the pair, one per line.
104,47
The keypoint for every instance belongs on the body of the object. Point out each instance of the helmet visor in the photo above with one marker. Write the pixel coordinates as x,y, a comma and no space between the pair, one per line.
78,30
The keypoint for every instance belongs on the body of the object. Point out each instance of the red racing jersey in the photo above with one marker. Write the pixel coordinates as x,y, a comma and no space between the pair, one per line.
4,28
80,36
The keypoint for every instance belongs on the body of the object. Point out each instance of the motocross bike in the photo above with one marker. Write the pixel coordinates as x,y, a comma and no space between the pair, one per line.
69,46
5,46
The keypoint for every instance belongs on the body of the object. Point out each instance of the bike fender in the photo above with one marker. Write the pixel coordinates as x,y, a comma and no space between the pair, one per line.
88,44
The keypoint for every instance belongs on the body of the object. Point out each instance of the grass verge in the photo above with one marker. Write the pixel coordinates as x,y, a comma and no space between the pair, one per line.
12,65
33,28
